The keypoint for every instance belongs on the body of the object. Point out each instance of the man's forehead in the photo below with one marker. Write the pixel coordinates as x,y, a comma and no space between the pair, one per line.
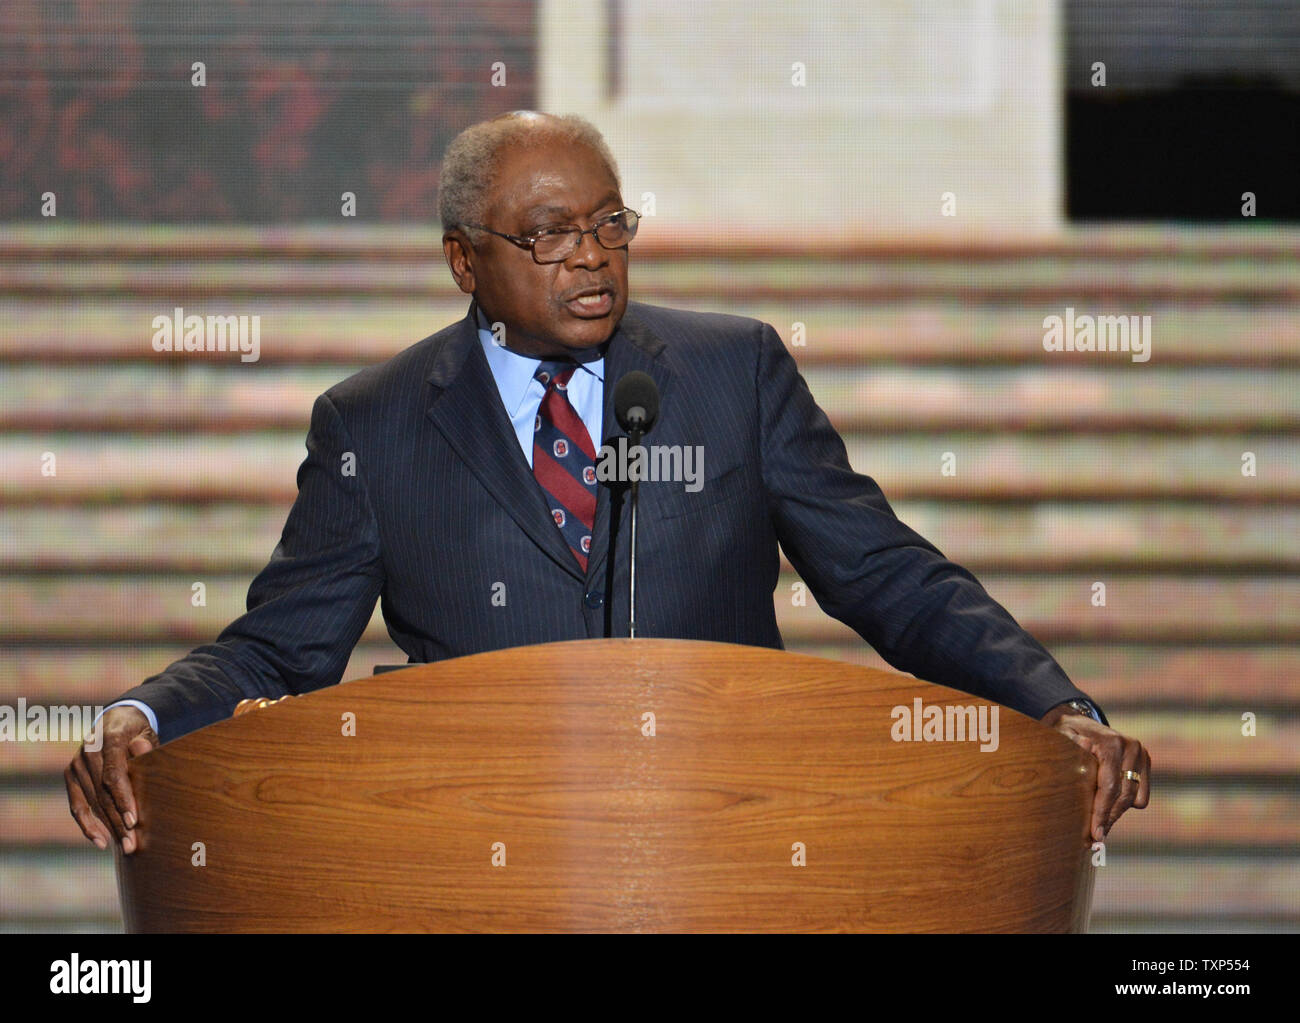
534,167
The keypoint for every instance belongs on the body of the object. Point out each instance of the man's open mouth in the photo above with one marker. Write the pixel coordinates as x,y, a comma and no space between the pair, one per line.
591,302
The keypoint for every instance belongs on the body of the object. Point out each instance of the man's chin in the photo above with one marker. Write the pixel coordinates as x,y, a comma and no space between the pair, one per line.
589,332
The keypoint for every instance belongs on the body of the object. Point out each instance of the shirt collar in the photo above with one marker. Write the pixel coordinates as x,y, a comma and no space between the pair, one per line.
513,371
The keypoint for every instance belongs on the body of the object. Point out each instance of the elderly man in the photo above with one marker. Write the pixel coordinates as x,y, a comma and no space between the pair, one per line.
465,464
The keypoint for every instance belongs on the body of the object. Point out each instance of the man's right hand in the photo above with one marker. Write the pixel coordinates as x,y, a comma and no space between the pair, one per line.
99,791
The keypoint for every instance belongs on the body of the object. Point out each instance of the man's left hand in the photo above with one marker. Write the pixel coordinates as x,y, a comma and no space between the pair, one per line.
1116,754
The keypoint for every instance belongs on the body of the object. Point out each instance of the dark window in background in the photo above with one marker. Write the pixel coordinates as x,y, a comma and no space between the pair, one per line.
305,100
1201,104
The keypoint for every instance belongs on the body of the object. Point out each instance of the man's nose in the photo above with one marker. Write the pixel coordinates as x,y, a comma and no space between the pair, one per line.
589,253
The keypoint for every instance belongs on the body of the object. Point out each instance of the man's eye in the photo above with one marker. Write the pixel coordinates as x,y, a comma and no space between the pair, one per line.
550,230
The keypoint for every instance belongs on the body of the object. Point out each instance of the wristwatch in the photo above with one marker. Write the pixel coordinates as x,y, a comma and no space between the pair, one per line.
1082,707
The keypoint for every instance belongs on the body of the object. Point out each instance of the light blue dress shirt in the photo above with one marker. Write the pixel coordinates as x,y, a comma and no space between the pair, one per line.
521,396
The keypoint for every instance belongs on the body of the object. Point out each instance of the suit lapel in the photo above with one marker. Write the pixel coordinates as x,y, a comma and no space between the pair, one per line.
466,407
632,347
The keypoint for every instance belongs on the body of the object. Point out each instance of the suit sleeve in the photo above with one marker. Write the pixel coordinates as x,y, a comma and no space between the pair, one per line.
306,609
921,612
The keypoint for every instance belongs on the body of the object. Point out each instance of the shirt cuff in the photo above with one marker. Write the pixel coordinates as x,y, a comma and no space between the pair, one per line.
144,708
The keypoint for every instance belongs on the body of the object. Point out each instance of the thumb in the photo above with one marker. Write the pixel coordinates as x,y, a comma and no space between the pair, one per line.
1079,738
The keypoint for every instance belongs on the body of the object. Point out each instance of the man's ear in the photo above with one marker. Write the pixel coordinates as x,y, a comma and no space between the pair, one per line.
457,250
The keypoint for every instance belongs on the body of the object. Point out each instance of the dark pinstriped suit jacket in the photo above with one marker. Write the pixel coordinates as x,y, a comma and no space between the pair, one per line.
443,506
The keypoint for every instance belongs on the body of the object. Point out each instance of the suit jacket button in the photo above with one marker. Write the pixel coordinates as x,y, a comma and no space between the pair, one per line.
595,599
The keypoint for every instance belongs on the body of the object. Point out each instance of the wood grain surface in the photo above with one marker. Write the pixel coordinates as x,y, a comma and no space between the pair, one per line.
604,828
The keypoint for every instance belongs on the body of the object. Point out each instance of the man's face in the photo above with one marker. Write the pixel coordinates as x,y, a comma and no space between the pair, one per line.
541,185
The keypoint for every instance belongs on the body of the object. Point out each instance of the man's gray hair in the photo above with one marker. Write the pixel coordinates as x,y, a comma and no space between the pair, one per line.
474,156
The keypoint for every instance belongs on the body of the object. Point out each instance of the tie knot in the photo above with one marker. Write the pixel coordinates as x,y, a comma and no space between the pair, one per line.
557,371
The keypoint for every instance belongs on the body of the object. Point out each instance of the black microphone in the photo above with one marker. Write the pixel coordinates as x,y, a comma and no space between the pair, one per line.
636,401
636,407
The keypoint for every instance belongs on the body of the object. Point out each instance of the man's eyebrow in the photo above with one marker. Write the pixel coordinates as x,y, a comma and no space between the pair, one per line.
546,209
564,210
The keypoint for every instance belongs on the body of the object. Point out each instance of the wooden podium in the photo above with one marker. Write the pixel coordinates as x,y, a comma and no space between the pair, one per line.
521,790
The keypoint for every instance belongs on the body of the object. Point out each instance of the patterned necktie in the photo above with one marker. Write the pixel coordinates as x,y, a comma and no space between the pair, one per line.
564,459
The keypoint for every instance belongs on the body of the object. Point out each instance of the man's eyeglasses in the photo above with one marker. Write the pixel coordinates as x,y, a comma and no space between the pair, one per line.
556,244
